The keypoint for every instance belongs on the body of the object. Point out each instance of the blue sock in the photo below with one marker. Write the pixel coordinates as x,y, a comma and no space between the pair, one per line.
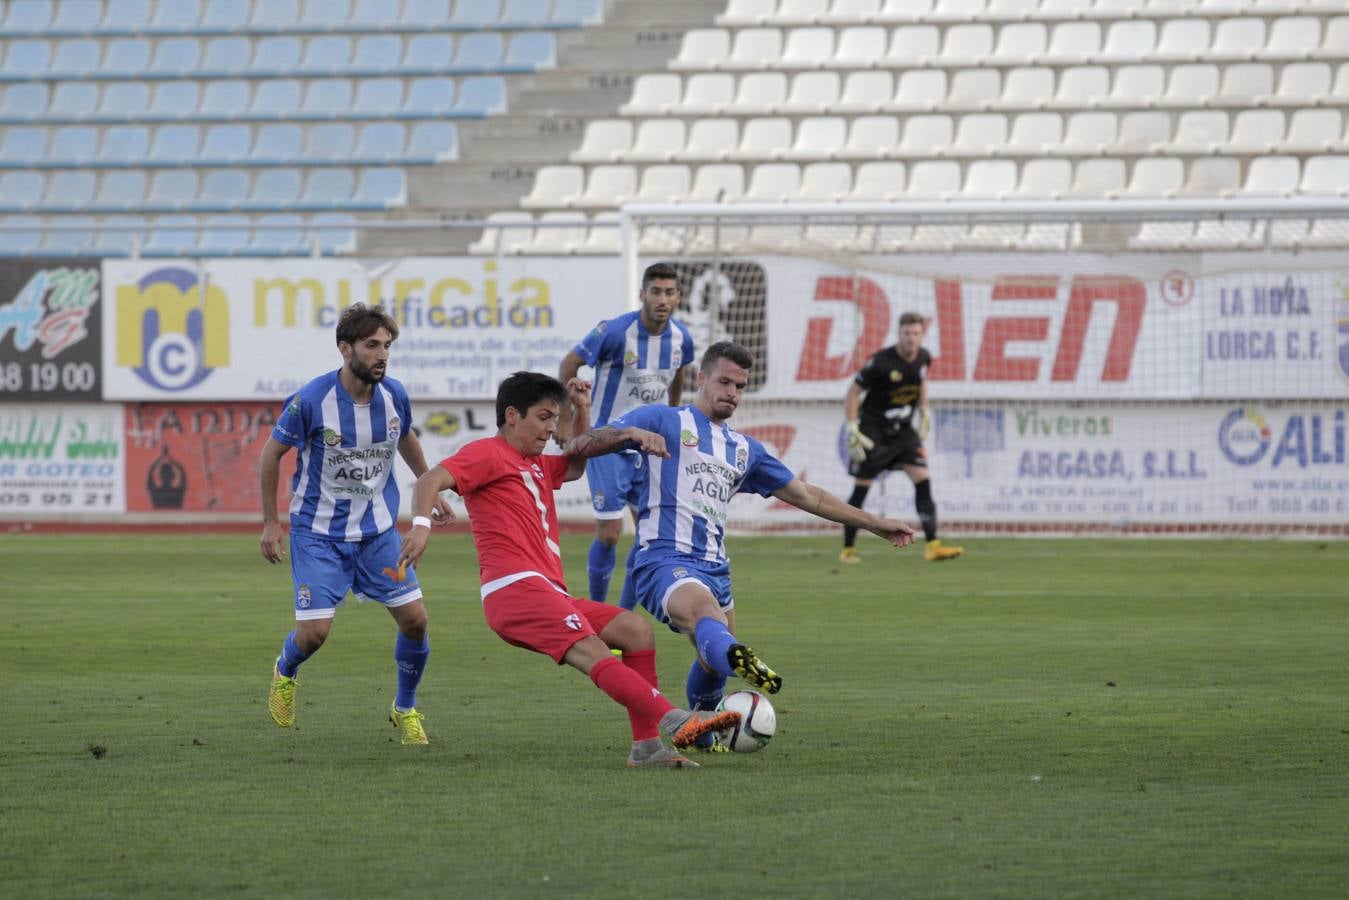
411,658
291,657
704,690
628,599
714,641
599,567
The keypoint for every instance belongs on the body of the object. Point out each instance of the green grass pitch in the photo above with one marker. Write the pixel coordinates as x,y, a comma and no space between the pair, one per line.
1039,718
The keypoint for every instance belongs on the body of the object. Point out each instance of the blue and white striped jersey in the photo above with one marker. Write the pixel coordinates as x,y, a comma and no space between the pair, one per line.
682,501
342,488
633,367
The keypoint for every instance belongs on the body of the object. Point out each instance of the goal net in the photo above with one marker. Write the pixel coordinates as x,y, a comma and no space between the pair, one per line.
1107,368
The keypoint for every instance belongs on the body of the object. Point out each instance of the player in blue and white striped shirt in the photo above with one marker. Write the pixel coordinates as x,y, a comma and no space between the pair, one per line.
347,425
682,573
638,358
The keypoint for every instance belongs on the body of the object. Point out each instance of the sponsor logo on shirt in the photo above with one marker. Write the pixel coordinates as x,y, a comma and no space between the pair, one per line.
331,438
741,458
630,358
573,622
688,438
394,424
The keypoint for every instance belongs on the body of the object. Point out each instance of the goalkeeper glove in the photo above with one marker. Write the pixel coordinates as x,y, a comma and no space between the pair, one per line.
858,443
924,423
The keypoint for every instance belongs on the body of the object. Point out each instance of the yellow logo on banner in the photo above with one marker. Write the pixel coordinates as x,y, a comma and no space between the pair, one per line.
168,333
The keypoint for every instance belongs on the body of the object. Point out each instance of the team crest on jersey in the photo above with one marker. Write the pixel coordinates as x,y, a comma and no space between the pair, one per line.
597,499
294,407
676,357
680,572
331,438
394,424
688,438
741,458
896,375
573,622
302,596
630,358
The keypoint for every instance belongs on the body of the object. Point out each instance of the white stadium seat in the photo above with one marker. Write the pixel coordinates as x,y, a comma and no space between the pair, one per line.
967,45
980,135
824,182
1271,176
807,48
658,140
818,138
933,180
1087,133
1074,43
926,135
1182,40
773,183
1325,176
1292,37
1302,84
871,137
1191,85
813,92
1044,179
1027,87
759,93
920,89
1082,86
754,48
717,183
879,181
605,140
1128,41
763,139
1020,44
567,234
1257,131
1242,81
708,92
1237,39
869,91
1136,86
1314,131
703,48
1097,178
1033,134
653,94
608,186
860,47
913,45
1200,131
1155,177
555,186
1212,177
974,89
989,179
1143,132
712,139
664,184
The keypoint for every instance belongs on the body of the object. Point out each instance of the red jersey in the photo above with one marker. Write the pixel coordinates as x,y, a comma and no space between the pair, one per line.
509,497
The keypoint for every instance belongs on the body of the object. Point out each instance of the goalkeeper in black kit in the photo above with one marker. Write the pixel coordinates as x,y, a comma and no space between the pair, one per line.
888,434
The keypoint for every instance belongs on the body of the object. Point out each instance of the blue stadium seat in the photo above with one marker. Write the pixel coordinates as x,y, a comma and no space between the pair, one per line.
326,98
526,13
73,18
276,55
329,142
68,241
71,100
275,189
20,243
226,144
174,100
429,97
28,17
126,16
25,102
124,145
175,17
275,15
121,190
225,56
578,12
128,57
477,52
172,189
69,191
225,189
531,50
75,145
476,13
433,142
21,190
227,241
276,99
335,240
23,146
425,15
277,144
284,238
483,96
175,145
373,15
26,59
427,53
76,58
326,55
377,54
324,15
114,241
124,101
171,236
380,142
380,189
226,99
377,98
328,189
176,56
224,16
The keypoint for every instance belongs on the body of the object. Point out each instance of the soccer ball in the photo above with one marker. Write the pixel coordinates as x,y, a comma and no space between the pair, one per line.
758,721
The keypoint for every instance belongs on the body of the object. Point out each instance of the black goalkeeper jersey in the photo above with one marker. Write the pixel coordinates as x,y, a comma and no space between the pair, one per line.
892,388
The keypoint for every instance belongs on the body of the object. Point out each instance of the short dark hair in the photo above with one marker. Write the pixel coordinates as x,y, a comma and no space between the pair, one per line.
726,350
912,318
659,270
359,321
524,389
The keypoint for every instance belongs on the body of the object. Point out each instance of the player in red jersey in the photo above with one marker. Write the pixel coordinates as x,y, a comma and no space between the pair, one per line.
507,485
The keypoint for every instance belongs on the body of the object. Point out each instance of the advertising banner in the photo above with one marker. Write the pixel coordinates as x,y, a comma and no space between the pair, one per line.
50,316
259,329
61,458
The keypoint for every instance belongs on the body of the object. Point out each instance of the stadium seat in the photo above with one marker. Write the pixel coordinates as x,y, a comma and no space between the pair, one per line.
23,146
424,15
328,15
933,180
1314,131
717,183
227,235
954,10
927,135
578,12
68,191
274,15
428,53
330,142
481,96
120,190
754,48
177,17
1302,84
711,139
871,137
124,145
912,45
276,55
1325,176
325,55
657,94
326,98
175,145
277,144
806,48
373,15
506,232
225,99
174,100
1033,134
980,135
125,16
376,54
67,241
223,17
172,189
867,92
20,243
1236,39
430,97
1027,87
74,145
1182,40
1082,86
173,56
607,185
1020,44
818,138
1211,177
328,189
1143,132
967,45
1088,133
558,234
920,90
124,101
989,179
842,12
377,98
1257,131
1094,179
27,17
274,189
380,188
526,13
1200,131
27,102
1221,234
859,47
763,139
1271,176
824,182
604,236
703,48
1290,38
1043,179
278,234
657,140
773,183
1191,85
76,58
1335,43
171,236
479,13
276,98
117,235
26,59
529,51
225,189
1243,81
1136,87
384,142
974,89
757,93
1155,177
663,184
334,240
1127,41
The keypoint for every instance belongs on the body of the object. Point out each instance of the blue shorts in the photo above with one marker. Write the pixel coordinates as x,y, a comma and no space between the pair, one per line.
612,479
324,570
656,579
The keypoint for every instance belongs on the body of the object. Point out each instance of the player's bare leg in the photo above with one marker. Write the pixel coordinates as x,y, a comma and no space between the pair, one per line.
935,550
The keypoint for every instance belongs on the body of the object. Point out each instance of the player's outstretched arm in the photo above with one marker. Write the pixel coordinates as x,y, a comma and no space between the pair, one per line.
571,365
578,398
425,496
818,502
410,448
607,440
269,475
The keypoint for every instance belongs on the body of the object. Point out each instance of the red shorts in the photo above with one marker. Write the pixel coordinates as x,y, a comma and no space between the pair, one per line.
533,614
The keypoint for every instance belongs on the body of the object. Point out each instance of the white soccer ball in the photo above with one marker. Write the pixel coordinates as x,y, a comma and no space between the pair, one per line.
758,721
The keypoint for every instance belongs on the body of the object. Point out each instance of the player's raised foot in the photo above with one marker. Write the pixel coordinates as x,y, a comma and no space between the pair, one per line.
748,666
713,746
410,724
684,727
849,556
936,551
657,755
281,699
